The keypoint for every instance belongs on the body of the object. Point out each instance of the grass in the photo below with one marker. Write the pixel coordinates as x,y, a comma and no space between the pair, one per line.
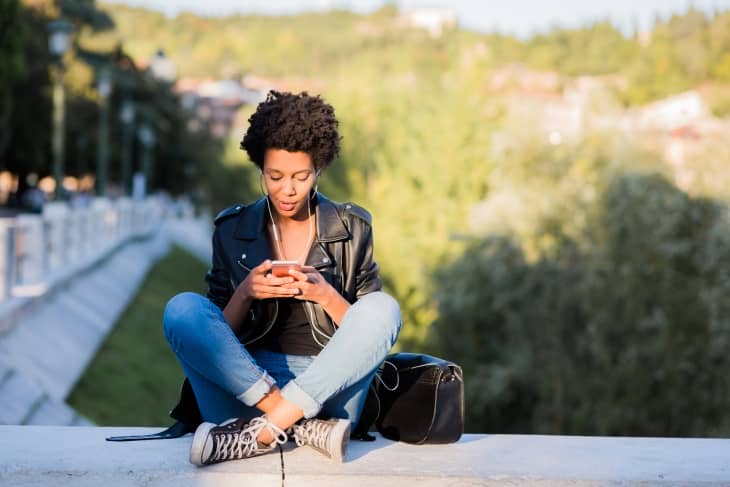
135,379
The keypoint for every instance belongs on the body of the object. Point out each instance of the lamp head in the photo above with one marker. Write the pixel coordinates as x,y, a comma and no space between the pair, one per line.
59,37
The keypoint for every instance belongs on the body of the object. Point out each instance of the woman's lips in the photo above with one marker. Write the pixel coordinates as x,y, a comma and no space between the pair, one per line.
286,206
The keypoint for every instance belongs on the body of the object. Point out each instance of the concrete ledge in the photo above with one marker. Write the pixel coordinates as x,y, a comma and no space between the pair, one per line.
79,456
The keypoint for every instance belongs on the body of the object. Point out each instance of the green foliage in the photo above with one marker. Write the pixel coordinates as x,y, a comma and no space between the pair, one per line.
28,146
597,49
616,330
232,177
12,64
717,96
183,160
11,41
415,169
719,43
371,54
684,50
120,387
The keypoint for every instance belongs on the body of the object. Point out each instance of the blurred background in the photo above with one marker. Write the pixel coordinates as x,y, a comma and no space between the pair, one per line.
549,182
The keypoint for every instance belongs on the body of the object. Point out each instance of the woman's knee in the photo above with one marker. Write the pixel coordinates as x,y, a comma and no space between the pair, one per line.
182,311
387,308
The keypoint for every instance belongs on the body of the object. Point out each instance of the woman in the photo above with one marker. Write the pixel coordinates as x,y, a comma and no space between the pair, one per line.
289,356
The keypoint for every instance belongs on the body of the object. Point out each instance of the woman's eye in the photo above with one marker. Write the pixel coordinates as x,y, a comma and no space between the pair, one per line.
274,179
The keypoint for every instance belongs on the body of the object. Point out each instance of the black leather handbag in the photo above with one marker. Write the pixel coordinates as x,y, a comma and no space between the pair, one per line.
415,398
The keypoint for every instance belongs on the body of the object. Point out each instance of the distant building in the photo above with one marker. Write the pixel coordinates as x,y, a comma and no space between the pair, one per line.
673,112
162,67
433,20
213,106
519,78
215,103
643,38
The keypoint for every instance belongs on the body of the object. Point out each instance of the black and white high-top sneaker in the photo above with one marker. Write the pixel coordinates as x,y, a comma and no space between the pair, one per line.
232,440
327,436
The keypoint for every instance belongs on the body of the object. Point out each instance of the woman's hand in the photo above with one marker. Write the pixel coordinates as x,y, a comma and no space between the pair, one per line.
310,285
261,284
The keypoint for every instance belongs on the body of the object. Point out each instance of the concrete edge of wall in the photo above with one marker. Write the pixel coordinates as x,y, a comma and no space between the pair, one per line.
38,455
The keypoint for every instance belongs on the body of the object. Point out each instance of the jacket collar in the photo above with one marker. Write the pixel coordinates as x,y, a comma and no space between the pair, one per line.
330,227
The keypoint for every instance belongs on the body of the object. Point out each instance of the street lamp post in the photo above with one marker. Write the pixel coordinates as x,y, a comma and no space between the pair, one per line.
127,116
104,87
58,42
147,138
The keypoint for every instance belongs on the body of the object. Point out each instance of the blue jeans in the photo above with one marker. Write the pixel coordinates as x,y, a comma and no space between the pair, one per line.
229,380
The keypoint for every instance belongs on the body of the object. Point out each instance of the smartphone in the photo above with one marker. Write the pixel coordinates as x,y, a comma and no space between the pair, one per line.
280,268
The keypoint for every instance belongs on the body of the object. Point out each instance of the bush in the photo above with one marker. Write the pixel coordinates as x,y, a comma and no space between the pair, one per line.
622,330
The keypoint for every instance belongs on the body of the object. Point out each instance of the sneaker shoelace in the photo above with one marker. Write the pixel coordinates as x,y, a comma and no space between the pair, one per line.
243,443
314,433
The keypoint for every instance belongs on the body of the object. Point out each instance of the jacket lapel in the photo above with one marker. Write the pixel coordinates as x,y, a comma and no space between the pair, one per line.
254,239
330,227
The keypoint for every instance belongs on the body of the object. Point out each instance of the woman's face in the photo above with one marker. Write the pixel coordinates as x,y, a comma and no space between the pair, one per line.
288,177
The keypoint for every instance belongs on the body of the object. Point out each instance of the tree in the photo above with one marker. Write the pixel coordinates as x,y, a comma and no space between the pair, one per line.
12,66
29,121
612,327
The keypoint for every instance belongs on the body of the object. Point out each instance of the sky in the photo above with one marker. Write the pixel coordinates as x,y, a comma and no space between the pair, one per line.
517,17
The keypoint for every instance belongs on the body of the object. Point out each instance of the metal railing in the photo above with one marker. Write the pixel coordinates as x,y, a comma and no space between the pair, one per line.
34,248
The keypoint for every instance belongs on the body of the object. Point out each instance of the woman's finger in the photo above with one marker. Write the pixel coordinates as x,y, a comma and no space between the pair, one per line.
275,291
263,267
270,280
299,276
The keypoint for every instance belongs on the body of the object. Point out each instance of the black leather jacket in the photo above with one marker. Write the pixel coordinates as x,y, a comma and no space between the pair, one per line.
342,252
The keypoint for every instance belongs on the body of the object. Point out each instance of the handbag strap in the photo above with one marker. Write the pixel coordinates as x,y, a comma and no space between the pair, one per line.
175,431
379,376
371,410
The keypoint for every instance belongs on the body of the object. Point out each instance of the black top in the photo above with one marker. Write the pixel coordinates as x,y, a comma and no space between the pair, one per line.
291,333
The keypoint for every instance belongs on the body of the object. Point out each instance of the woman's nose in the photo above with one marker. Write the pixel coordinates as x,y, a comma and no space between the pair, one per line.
289,187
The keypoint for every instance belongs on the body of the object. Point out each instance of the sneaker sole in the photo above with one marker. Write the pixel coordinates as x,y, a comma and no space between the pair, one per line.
340,430
196,449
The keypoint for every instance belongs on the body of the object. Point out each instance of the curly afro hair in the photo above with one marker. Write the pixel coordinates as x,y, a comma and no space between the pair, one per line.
295,123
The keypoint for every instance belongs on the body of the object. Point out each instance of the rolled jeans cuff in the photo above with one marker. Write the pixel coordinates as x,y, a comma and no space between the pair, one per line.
295,394
256,392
